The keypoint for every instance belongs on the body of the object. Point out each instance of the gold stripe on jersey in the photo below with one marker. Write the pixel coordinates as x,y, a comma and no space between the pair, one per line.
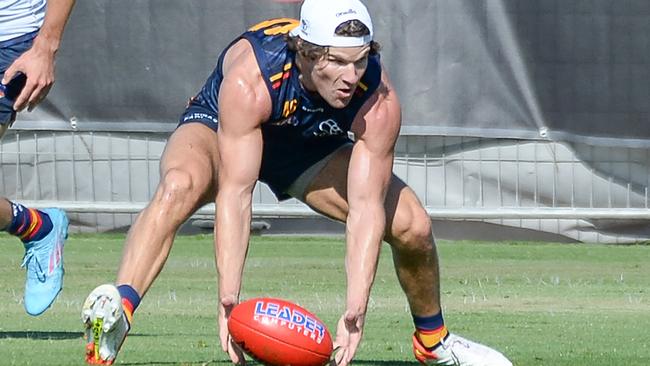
275,26
277,76
363,86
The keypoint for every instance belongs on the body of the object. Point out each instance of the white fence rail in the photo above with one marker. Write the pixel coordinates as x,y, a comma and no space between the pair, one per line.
459,178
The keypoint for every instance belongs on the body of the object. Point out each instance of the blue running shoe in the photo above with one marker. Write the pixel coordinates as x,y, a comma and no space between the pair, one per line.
44,262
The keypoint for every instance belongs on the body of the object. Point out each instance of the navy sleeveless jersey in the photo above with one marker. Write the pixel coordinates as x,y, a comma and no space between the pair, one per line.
303,128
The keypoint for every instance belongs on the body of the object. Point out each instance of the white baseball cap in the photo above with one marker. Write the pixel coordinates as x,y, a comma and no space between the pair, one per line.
319,19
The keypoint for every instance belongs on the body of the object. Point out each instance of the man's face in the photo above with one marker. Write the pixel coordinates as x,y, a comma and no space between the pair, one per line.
336,75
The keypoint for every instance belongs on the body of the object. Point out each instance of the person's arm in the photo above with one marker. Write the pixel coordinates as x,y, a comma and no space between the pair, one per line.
369,175
244,103
37,63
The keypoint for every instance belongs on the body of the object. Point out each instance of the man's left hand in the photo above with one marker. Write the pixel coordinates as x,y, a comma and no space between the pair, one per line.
348,337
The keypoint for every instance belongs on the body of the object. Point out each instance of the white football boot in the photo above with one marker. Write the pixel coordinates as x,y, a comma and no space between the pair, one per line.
458,351
106,325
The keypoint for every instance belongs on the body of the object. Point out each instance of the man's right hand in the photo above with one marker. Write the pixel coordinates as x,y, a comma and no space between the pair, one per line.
37,64
229,346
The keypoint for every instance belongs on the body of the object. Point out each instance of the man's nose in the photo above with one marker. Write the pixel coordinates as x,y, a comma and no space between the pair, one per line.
351,75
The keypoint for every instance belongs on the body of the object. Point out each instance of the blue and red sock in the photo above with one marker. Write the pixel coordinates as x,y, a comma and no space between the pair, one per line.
130,301
430,330
28,224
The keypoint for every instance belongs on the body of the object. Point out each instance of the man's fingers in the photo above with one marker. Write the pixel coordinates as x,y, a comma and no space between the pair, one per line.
9,74
37,96
224,335
352,347
335,353
24,96
232,349
341,357
224,339
236,353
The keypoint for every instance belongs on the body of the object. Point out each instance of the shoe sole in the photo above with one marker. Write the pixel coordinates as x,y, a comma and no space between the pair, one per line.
101,310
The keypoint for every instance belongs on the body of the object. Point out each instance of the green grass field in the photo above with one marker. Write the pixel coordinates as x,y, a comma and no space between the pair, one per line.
541,304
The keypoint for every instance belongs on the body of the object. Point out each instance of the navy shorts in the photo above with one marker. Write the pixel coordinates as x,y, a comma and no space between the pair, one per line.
284,157
10,50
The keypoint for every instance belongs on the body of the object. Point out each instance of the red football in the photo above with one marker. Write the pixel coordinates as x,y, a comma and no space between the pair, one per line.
280,333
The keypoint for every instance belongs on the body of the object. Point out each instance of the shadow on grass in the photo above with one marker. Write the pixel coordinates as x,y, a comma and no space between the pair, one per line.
383,363
152,363
49,335
55,335
254,363
40,335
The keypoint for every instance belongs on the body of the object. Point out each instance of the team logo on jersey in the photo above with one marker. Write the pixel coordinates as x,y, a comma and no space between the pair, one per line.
328,127
289,107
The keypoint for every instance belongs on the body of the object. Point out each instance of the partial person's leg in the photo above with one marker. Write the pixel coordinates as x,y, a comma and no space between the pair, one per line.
187,181
43,233
408,231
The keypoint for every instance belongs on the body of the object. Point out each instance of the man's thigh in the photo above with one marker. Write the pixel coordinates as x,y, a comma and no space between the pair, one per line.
327,194
192,149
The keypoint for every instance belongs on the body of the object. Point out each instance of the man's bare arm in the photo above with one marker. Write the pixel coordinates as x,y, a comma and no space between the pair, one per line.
376,129
38,62
244,104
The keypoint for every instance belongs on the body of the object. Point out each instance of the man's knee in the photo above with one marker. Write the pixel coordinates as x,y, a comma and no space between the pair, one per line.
412,231
176,186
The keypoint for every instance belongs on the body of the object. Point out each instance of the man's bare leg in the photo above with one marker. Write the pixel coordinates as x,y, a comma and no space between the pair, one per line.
188,180
408,231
